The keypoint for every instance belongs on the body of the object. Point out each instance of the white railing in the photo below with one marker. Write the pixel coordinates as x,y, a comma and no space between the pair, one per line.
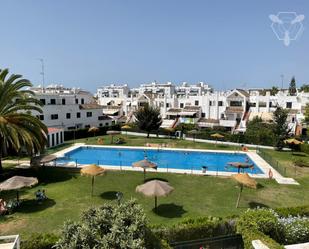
227,123
10,242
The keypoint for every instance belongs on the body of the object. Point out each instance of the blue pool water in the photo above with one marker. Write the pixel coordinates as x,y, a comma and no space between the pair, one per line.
170,159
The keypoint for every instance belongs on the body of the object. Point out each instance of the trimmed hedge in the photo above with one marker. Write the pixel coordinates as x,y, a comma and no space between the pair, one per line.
40,241
191,229
293,211
83,133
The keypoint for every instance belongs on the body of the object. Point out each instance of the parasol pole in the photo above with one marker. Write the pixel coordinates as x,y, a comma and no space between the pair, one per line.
92,183
241,187
156,203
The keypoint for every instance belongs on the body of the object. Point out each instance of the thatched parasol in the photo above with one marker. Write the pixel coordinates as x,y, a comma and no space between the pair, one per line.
126,128
194,133
145,164
92,170
293,141
216,136
112,133
93,129
240,165
155,188
44,159
244,180
169,130
18,182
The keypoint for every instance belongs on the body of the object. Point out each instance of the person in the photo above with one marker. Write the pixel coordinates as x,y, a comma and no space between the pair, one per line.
3,207
43,195
270,174
38,195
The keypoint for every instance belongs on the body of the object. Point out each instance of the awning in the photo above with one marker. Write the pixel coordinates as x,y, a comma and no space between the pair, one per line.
187,113
265,116
110,111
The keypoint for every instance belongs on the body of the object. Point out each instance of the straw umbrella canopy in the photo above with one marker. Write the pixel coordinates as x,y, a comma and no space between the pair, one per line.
93,129
92,170
43,159
155,188
240,165
293,141
244,180
112,133
217,136
145,164
194,133
126,128
18,182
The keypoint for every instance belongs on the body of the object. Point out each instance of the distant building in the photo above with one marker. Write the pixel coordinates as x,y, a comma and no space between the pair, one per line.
69,108
200,104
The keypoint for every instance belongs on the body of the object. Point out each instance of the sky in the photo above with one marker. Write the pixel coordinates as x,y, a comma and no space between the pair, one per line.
89,44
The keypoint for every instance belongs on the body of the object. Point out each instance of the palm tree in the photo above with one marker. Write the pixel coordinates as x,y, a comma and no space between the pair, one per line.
18,128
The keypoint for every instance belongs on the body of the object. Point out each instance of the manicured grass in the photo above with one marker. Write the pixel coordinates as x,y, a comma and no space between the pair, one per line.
194,196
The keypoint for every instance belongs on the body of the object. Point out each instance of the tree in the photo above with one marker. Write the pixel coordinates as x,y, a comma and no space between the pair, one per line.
292,87
148,119
259,132
274,90
122,226
18,128
280,129
304,88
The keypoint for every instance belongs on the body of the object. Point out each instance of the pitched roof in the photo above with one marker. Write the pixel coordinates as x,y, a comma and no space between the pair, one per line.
90,106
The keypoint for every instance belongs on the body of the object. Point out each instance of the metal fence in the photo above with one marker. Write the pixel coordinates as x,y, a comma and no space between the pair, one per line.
273,162
220,242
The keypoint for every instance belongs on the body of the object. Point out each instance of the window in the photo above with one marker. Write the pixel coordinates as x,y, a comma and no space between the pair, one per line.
262,104
210,103
54,116
68,115
167,105
82,101
288,104
196,102
181,105
203,115
61,137
57,138
53,101
43,101
41,117
63,101
220,103
100,124
76,101
87,126
106,124
235,103
78,115
253,104
89,114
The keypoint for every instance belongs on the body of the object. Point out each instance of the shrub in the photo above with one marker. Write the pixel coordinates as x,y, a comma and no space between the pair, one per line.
293,211
109,226
190,229
304,148
260,224
296,229
40,241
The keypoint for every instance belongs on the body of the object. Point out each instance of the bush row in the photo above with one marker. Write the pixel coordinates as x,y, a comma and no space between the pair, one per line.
83,133
192,229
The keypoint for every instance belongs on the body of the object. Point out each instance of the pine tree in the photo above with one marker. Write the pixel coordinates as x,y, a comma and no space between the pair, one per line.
292,88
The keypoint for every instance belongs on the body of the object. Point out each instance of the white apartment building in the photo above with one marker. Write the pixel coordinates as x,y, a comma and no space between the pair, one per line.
69,108
200,104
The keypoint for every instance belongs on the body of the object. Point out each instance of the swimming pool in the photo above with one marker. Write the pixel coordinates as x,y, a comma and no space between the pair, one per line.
164,158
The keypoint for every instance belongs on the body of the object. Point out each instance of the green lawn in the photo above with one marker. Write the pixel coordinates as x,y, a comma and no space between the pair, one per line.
194,196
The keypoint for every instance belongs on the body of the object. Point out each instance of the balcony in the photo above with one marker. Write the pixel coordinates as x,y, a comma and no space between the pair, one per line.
227,123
